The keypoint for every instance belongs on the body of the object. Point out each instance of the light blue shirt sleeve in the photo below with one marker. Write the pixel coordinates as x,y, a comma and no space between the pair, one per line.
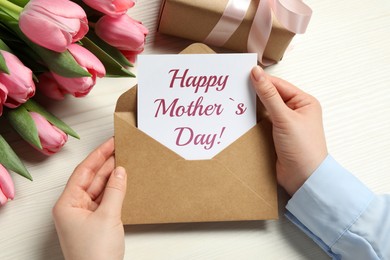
341,214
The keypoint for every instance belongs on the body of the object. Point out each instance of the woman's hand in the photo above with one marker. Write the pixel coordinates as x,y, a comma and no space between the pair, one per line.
297,128
87,216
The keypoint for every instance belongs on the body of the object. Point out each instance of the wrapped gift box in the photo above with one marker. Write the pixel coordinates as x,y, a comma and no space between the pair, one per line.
196,19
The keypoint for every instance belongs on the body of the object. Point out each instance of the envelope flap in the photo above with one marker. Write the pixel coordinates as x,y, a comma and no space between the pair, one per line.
191,191
197,48
252,158
127,101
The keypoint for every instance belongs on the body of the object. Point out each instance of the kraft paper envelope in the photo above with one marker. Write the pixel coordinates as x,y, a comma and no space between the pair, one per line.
237,184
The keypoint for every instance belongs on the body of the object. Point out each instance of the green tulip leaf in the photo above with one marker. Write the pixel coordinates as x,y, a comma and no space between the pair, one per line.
3,65
21,3
112,59
11,161
61,63
23,123
3,45
33,106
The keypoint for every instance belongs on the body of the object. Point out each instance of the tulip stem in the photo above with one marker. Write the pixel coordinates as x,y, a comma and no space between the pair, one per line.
9,6
21,3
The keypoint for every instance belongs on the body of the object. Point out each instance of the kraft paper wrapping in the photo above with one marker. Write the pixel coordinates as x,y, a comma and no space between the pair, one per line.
194,20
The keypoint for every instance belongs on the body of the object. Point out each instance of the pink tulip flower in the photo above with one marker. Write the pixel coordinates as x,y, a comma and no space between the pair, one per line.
3,97
50,87
110,7
7,190
80,87
53,24
122,32
19,82
52,139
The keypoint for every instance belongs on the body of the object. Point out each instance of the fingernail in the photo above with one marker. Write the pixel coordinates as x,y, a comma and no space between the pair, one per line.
120,172
257,73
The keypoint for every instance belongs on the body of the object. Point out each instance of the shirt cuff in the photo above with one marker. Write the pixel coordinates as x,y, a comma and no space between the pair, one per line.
328,203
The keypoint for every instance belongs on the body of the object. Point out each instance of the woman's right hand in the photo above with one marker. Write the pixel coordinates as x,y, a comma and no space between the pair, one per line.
297,128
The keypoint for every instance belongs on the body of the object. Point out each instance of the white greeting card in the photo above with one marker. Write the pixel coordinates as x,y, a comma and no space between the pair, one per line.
196,104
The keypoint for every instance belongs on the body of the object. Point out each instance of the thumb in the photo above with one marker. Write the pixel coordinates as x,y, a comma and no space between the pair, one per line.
267,93
114,192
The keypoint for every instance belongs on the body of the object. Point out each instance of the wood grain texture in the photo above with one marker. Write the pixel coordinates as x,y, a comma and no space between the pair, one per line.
343,60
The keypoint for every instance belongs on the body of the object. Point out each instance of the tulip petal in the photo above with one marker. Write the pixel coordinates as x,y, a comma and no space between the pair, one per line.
18,82
67,25
53,24
31,26
49,86
3,97
75,27
140,26
33,106
63,8
110,7
52,138
87,60
6,183
82,31
3,198
78,87
121,32
122,5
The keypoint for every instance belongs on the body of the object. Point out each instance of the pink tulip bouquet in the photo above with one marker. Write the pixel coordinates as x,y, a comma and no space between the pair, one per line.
57,48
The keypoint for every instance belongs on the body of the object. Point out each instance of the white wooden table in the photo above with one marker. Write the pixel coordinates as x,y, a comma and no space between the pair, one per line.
343,60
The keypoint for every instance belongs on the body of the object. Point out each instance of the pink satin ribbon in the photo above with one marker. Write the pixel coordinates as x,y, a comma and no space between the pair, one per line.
231,18
294,15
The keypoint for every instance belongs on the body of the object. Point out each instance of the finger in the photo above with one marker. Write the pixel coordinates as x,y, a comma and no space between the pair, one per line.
294,97
114,193
286,90
101,177
86,170
267,93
